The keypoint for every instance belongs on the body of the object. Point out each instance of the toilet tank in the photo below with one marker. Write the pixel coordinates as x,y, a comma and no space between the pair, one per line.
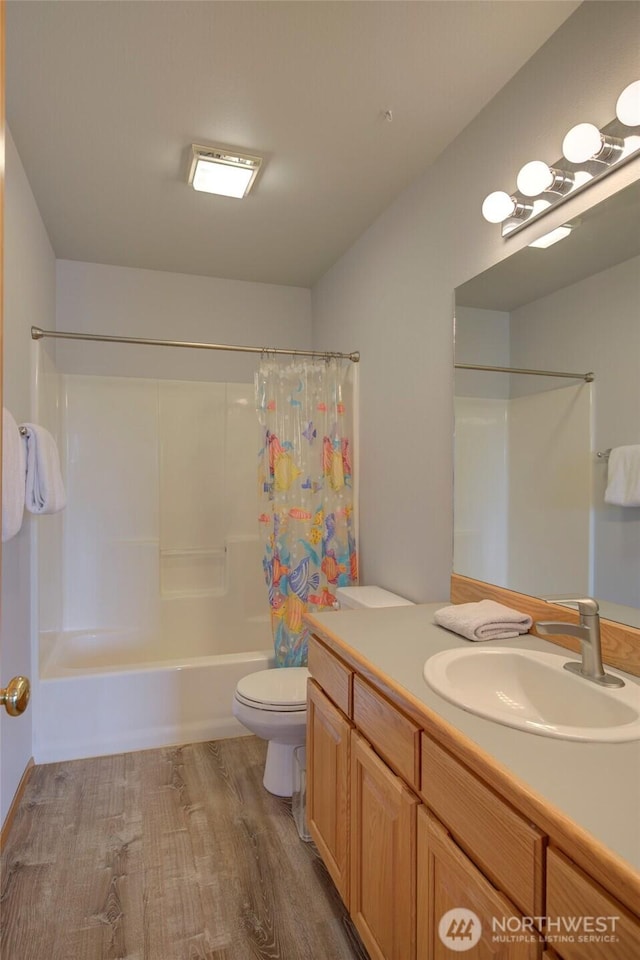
354,597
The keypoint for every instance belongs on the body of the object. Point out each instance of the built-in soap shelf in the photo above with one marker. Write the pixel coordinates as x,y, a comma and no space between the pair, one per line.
195,572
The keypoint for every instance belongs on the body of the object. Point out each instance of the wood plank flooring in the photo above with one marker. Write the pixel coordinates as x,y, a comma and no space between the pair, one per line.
170,854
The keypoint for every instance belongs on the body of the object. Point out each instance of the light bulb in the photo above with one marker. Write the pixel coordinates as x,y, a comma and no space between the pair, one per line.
498,206
581,177
628,105
583,142
539,206
631,144
534,178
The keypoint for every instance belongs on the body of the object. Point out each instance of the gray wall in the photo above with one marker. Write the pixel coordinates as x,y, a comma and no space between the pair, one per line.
29,277
96,298
391,295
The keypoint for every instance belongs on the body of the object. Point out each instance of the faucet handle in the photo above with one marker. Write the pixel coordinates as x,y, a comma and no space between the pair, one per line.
587,606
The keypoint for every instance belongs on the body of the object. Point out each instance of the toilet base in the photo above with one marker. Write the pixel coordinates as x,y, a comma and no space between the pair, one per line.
278,769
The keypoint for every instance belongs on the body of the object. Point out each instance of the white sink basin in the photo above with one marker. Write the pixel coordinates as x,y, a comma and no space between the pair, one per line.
532,691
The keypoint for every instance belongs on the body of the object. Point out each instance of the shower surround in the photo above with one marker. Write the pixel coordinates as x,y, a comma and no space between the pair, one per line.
163,601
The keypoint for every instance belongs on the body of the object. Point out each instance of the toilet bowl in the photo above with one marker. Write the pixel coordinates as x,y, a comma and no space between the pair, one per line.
272,704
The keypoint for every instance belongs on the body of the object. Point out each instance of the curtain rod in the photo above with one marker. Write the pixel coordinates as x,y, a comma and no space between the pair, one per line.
589,377
38,334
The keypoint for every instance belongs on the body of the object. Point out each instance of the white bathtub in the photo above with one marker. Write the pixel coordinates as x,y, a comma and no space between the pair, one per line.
170,681
105,692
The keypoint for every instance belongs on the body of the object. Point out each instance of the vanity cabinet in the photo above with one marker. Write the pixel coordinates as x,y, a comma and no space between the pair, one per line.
448,880
409,829
383,851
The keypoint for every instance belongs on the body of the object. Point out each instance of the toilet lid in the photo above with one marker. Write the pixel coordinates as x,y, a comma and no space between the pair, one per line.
283,688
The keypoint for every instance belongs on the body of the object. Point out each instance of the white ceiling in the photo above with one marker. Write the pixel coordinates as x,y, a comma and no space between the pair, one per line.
105,98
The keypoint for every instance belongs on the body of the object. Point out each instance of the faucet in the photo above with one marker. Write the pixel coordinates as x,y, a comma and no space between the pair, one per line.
588,632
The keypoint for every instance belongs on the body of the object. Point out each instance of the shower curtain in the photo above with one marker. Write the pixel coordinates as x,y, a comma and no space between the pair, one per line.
305,484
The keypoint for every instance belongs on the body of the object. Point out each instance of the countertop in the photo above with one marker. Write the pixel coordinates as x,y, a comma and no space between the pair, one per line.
596,785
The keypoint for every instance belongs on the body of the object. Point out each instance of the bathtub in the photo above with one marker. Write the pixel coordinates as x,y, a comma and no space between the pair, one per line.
104,692
170,679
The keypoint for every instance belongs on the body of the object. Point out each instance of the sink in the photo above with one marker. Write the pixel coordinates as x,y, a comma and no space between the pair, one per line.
531,691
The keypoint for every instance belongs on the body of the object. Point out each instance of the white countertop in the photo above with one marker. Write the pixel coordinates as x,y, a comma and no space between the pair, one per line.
597,785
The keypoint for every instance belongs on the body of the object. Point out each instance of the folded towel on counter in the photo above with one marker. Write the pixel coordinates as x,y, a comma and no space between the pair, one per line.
44,489
623,478
13,477
485,620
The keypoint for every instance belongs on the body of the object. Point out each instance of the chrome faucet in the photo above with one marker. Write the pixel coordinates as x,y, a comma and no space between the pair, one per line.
588,632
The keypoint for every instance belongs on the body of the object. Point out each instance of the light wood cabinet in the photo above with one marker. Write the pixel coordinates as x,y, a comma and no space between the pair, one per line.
332,675
393,736
508,850
328,753
605,930
383,856
400,865
449,881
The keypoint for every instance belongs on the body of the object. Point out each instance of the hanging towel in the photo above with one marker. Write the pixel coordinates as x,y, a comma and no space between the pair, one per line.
45,490
623,478
485,620
13,477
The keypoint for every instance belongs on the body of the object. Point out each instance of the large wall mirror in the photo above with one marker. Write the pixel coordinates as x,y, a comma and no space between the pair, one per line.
531,451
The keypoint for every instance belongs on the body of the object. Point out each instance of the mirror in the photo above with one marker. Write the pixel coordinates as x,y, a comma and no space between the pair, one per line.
530,513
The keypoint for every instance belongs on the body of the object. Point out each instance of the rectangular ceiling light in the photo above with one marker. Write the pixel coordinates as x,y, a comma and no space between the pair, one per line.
219,170
548,239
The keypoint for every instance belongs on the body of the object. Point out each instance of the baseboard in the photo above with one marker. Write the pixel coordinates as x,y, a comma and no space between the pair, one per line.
13,809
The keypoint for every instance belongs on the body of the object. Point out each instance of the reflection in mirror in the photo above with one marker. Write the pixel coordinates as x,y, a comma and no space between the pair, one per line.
530,513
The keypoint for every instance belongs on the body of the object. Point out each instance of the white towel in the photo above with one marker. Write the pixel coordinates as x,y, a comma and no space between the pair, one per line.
485,620
13,477
623,478
45,489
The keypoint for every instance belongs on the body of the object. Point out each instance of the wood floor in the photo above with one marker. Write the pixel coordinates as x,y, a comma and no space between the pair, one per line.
170,854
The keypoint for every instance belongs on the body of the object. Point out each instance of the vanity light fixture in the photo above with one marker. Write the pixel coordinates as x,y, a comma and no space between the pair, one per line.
585,142
628,105
223,171
536,177
499,206
589,153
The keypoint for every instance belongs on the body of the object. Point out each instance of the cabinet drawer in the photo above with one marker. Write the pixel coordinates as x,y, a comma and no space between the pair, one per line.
392,734
332,675
572,894
508,849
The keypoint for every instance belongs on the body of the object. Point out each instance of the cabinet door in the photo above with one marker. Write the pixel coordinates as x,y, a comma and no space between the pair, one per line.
447,880
605,929
328,785
383,856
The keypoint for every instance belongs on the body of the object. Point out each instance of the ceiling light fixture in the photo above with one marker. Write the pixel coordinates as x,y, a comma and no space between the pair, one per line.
548,239
589,153
223,171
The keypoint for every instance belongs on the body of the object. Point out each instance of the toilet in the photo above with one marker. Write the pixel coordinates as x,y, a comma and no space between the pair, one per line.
272,704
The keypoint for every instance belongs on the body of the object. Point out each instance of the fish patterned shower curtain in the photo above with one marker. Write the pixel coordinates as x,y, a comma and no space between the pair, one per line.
305,484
